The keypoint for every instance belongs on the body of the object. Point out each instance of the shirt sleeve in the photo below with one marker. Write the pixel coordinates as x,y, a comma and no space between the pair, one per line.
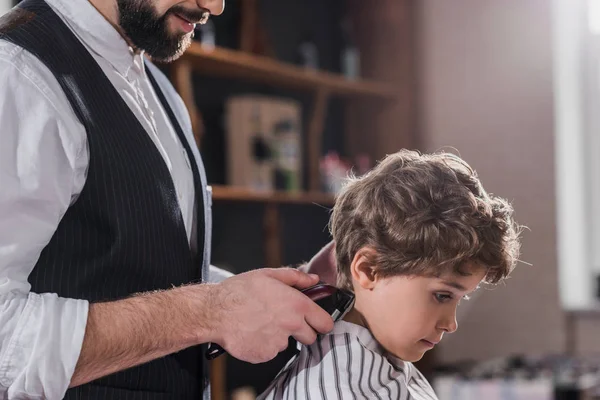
216,274
43,162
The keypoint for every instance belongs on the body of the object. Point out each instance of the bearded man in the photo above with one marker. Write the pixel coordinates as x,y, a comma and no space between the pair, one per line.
106,288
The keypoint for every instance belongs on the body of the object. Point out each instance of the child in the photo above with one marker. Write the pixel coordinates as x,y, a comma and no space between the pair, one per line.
413,237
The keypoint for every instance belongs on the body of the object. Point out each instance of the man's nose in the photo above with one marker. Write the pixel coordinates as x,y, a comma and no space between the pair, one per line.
215,7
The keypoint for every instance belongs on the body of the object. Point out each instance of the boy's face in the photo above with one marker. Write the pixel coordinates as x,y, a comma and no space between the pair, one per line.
408,315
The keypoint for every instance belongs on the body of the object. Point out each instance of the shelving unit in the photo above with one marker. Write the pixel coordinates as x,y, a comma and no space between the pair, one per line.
230,193
272,221
239,65
236,64
379,109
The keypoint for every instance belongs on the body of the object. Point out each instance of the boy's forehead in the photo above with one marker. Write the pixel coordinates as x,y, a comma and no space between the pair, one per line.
466,281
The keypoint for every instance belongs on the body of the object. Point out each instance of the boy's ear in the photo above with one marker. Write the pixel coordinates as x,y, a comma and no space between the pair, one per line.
363,269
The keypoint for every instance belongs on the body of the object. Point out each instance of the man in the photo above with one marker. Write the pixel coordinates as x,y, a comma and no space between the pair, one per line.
105,217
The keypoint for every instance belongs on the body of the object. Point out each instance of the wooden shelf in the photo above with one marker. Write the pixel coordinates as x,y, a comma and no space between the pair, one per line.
231,193
236,64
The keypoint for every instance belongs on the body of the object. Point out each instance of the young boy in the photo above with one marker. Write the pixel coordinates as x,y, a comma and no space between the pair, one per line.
413,237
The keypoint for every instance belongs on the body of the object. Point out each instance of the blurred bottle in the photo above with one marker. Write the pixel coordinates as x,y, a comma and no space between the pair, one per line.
261,153
287,156
350,61
208,36
308,53
334,172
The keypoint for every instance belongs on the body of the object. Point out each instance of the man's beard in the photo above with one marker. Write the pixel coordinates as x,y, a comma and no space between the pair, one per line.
150,33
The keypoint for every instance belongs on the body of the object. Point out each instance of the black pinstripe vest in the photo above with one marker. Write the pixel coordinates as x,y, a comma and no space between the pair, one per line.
125,233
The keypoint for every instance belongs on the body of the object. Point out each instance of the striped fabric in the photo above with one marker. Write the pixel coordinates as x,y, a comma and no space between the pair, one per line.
347,364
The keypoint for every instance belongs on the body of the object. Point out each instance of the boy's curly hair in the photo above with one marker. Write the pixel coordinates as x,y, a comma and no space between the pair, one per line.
424,214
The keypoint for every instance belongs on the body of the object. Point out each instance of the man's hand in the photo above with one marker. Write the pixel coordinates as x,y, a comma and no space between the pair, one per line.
323,264
255,313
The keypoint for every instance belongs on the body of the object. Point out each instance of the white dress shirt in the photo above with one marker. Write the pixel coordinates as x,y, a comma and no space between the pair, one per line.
43,166
348,364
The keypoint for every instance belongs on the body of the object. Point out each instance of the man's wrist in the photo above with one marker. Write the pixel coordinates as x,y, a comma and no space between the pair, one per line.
202,307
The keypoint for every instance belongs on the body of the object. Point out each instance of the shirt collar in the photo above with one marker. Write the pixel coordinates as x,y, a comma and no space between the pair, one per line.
367,339
96,33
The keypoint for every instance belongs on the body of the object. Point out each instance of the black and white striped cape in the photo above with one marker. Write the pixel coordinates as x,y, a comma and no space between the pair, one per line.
348,364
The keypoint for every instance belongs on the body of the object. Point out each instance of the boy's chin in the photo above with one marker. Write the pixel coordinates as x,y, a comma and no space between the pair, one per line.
417,358
412,357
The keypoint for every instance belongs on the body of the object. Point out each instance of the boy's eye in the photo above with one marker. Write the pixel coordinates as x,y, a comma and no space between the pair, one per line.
442,297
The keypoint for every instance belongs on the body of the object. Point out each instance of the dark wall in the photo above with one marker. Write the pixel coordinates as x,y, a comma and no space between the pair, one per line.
238,227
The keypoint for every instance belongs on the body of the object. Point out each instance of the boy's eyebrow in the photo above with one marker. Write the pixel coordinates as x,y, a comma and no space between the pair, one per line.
455,285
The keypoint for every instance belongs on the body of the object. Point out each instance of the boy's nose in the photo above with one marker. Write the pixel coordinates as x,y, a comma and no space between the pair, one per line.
448,323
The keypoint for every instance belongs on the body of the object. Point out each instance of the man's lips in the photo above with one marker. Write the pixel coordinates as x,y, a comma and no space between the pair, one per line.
186,25
202,20
184,18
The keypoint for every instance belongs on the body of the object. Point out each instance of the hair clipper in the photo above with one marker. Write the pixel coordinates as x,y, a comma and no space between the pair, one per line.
337,302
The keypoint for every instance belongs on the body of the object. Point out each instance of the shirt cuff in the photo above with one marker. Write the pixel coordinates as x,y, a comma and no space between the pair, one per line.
217,275
44,348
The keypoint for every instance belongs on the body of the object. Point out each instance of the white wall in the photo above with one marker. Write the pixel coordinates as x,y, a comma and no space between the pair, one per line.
575,210
5,5
486,88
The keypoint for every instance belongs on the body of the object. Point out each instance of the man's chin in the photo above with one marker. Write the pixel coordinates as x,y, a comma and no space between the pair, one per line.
184,44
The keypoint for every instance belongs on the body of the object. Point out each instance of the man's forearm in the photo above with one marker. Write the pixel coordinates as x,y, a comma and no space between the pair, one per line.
126,333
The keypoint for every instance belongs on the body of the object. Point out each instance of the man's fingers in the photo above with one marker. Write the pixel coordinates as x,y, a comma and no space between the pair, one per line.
306,335
315,316
318,318
293,277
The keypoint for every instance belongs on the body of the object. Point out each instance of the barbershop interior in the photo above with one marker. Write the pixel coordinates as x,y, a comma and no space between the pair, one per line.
288,98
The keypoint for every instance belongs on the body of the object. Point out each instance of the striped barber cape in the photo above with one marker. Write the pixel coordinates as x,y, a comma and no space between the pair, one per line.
348,363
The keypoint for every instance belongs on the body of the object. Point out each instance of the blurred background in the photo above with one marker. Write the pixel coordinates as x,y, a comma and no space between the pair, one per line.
286,96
